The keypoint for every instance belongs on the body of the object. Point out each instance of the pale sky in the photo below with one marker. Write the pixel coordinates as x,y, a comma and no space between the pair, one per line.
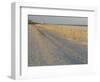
59,19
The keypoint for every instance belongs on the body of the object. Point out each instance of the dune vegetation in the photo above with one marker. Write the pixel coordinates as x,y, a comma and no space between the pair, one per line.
71,32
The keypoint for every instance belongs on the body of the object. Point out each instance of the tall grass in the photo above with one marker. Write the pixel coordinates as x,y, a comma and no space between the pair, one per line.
77,33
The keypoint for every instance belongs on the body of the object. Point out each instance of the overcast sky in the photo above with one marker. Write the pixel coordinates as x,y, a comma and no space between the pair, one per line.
59,19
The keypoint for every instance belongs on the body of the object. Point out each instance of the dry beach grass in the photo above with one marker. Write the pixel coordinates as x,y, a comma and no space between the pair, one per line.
77,33
50,44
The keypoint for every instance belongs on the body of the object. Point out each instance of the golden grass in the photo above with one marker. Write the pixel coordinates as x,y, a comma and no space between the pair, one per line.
77,33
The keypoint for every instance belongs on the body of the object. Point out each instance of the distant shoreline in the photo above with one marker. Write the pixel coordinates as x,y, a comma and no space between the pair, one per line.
61,24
